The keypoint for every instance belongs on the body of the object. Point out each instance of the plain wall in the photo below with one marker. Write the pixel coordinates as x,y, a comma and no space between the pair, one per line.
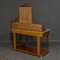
44,11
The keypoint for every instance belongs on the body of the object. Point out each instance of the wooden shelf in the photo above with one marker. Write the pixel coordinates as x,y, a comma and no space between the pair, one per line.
31,50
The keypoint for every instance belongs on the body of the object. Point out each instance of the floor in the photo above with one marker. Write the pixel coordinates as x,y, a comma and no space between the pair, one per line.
7,53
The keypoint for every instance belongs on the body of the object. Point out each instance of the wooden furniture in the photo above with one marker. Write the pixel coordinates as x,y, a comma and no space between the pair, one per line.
25,14
23,26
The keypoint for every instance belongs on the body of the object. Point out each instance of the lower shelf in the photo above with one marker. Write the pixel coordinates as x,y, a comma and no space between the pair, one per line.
32,51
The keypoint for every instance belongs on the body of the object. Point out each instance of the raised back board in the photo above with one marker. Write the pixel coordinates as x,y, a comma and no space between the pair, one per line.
25,14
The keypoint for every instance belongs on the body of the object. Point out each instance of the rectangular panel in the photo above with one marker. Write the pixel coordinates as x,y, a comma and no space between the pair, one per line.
34,27
27,32
25,14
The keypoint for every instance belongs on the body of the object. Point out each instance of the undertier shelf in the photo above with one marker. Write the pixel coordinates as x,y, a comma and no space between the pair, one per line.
31,50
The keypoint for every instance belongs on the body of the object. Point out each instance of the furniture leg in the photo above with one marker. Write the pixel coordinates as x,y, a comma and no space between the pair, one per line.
14,38
38,45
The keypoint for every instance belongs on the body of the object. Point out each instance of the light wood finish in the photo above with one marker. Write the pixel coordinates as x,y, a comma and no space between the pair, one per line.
37,51
14,38
25,14
38,45
23,25
34,27
27,32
